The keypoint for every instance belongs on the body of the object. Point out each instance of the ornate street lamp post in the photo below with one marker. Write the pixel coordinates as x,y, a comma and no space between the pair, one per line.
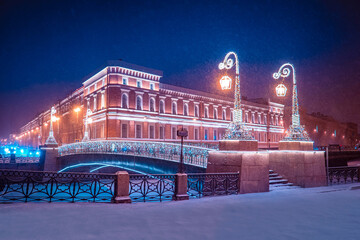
236,129
87,121
51,139
296,132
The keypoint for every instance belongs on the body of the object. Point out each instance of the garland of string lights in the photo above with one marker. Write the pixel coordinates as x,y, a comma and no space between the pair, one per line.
236,129
192,155
296,131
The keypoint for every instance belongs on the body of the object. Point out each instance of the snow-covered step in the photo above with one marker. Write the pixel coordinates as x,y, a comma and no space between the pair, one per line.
278,181
275,177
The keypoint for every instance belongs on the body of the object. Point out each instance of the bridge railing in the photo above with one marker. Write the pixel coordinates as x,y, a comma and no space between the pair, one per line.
36,186
193,155
340,175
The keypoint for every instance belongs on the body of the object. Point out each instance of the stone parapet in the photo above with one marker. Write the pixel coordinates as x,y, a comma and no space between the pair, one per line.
238,145
253,167
296,145
302,168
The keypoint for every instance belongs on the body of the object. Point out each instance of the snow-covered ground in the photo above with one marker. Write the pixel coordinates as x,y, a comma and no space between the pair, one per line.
316,213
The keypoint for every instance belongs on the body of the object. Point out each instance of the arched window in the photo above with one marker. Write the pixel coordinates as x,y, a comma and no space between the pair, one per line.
152,105
186,109
259,119
139,103
253,118
215,113
206,112
162,106
224,114
196,111
265,121
174,108
124,101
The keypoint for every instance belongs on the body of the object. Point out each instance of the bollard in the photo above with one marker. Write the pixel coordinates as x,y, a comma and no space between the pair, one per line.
180,187
121,194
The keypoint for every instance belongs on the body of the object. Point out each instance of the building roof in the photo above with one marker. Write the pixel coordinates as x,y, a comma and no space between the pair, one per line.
120,63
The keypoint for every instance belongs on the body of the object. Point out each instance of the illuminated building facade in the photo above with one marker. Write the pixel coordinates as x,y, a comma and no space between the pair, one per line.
325,130
129,102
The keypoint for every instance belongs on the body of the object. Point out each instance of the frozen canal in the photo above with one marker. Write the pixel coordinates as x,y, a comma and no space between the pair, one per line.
317,213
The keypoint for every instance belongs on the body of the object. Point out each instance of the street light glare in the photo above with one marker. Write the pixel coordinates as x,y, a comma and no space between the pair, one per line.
77,109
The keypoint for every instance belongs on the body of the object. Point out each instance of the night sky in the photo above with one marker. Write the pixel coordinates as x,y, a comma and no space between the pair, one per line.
47,47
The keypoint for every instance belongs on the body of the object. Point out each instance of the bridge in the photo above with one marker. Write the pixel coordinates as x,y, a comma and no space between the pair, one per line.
134,156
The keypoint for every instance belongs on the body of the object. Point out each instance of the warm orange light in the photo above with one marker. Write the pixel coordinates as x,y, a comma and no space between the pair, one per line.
225,82
281,90
77,109
45,124
37,128
54,118
89,120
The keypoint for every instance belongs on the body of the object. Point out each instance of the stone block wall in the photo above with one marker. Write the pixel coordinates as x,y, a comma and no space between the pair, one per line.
303,168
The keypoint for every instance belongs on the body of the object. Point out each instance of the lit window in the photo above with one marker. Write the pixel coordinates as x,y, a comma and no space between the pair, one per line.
215,135
138,84
139,103
206,134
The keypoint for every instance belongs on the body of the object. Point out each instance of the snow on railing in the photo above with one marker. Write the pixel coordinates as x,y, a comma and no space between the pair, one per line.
192,155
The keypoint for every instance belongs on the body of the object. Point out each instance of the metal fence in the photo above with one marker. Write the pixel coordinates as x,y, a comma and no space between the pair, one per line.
31,186
193,155
145,188
36,186
340,175
212,184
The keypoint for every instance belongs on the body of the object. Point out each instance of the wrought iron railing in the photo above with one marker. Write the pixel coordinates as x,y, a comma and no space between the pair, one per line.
211,184
193,155
339,175
145,188
30,186
35,186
